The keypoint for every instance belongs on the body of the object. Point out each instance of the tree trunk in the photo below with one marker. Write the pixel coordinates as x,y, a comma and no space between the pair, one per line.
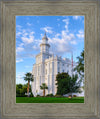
28,88
71,96
44,92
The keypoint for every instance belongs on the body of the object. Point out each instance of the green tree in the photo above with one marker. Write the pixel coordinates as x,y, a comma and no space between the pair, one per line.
18,89
67,84
19,86
62,83
80,65
43,87
28,77
74,85
22,89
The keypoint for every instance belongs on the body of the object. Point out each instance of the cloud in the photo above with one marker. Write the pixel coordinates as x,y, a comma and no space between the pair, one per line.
29,24
73,42
66,24
80,34
28,38
19,26
18,34
28,66
36,47
63,42
47,29
27,46
19,60
76,17
19,49
25,55
19,77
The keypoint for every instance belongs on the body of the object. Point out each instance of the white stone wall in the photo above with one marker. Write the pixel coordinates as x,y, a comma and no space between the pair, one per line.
46,68
46,71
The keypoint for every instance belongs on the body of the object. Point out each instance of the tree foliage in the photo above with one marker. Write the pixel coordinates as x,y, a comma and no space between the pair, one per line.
28,77
67,84
80,65
21,90
62,83
43,87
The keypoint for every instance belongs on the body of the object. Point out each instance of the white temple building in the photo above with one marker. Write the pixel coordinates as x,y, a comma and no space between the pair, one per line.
47,67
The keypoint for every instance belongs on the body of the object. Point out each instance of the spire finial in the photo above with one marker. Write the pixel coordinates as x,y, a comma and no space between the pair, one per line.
45,33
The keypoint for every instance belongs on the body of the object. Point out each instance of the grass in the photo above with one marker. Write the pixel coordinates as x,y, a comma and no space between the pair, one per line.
49,100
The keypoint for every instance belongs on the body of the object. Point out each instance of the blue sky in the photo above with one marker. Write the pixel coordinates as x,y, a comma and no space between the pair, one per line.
65,34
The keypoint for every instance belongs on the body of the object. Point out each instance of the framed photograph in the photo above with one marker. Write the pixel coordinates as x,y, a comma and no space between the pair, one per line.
54,46
50,59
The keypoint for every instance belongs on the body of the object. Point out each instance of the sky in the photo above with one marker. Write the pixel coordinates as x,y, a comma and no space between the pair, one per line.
65,34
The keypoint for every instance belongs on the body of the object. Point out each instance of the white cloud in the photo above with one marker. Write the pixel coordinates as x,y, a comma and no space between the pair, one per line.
47,29
66,24
25,44
57,35
80,34
19,26
21,44
63,42
29,24
73,42
19,77
19,49
18,34
36,47
41,35
19,60
28,66
28,38
66,21
25,55
81,31
76,17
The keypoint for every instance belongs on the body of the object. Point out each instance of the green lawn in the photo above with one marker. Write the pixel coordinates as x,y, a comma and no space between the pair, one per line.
49,100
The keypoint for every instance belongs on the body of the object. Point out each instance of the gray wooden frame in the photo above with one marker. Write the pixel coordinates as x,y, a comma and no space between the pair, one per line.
8,107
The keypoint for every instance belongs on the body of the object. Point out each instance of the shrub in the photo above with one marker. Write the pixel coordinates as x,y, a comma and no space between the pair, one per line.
58,95
21,90
50,95
31,95
38,96
74,95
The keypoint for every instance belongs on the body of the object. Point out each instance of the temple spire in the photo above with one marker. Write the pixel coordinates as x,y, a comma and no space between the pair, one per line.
45,37
45,45
45,33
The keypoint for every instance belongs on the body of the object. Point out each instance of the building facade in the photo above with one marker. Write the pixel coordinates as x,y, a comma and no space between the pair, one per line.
46,68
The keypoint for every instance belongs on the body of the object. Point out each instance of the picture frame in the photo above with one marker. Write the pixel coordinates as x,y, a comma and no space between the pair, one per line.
90,109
